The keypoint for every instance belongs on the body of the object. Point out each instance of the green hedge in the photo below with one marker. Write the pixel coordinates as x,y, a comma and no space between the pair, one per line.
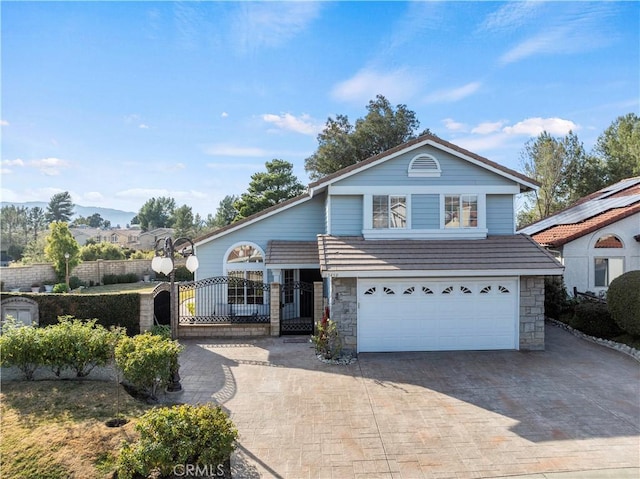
623,300
117,309
594,319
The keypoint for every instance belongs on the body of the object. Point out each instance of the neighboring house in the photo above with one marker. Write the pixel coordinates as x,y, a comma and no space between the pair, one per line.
416,247
128,238
147,240
597,238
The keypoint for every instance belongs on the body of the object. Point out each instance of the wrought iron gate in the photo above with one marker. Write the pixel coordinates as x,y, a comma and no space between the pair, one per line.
223,299
296,308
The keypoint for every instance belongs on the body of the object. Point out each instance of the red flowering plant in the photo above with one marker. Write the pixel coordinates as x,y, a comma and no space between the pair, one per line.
327,339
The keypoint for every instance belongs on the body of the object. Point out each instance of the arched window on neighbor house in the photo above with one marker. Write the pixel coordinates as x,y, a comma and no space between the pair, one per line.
609,265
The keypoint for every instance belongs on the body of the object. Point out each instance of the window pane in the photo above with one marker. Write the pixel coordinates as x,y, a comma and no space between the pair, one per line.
470,211
616,268
235,289
398,211
255,294
244,254
380,211
452,211
609,241
288,293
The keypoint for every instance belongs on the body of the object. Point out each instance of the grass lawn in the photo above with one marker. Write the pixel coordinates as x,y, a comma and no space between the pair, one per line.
56,429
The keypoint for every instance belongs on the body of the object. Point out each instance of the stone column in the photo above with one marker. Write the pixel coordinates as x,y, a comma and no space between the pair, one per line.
532,313
146,311
318,302
275,309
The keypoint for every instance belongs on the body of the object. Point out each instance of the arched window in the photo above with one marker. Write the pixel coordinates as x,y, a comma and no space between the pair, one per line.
245,261
609,241
424,165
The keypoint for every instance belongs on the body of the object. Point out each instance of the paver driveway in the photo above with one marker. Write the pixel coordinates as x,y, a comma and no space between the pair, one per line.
573,407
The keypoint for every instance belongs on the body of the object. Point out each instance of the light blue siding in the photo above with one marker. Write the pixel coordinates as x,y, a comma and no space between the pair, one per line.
425,211
346,215
455,171
302,222
500,214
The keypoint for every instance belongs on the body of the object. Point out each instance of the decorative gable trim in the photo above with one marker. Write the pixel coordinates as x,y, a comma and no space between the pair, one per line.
424,165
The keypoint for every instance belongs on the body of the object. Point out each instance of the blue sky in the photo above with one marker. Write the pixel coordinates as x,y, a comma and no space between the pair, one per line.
118,102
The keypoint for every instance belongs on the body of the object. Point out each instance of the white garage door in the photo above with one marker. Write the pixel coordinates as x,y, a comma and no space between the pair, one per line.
437,315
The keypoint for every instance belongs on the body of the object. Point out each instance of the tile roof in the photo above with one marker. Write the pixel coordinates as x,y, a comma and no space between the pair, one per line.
588,214
292,252
561,234
495,253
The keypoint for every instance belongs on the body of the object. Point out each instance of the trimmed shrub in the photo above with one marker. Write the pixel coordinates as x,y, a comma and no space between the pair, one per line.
201,436
623,300
555,297
594,319
115,309
21,346
120,278
60,288
147,361
75,282
79,345
163,330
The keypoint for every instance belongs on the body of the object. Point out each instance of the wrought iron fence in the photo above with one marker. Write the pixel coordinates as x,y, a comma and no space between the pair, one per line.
223,299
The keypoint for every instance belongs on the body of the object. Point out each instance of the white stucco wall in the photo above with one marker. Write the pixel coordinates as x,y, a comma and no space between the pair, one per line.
578,255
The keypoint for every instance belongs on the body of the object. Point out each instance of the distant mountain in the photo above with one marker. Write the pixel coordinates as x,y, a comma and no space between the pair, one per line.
117,217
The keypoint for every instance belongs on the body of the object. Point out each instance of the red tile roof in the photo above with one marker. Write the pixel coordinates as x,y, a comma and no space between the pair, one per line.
562,234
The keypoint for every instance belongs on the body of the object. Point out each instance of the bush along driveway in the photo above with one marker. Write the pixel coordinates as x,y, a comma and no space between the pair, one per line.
573,407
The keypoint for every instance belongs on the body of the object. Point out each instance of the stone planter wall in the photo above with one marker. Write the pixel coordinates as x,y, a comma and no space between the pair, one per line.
532,313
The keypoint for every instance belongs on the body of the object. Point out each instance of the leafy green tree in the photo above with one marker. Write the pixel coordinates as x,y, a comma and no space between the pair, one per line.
341,144
34,251
37,221
93,221
61,241
183,221
225,214
103,250
619,148
155,213
60,207
278,184
554,163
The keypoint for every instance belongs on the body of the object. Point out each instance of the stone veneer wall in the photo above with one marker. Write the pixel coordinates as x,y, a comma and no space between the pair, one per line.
24,276
532,313
344,311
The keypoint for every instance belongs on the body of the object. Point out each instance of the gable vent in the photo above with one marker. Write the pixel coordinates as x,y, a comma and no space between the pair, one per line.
424,165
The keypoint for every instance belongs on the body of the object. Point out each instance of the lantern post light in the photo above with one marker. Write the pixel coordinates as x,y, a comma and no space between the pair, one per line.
166,250
66,274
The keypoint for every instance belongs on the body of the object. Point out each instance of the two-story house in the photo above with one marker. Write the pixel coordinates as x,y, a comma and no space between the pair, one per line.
416,247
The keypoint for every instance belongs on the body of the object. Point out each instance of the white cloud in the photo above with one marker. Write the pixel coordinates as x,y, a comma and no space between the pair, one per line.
270,24
487,127
4,123
143,126
303,124
224,149
573,32
452,125
49,166
511,15
16,162
367,83
224,114
453,94
235,166
93,196
535,126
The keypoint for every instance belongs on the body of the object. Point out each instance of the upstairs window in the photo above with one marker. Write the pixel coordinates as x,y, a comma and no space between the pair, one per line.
461,211
425,166
609,241
389,211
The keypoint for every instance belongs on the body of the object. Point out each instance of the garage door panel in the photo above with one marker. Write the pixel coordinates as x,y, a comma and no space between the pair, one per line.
425,315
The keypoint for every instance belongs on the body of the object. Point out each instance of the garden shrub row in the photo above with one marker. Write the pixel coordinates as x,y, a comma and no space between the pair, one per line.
120,278
147,361
117,309
71,344
620,314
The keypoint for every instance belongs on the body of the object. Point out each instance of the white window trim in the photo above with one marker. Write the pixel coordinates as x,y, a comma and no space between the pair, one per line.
367,211
482,213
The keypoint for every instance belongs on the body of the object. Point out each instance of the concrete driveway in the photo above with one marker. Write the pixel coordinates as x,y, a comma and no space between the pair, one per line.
573,407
